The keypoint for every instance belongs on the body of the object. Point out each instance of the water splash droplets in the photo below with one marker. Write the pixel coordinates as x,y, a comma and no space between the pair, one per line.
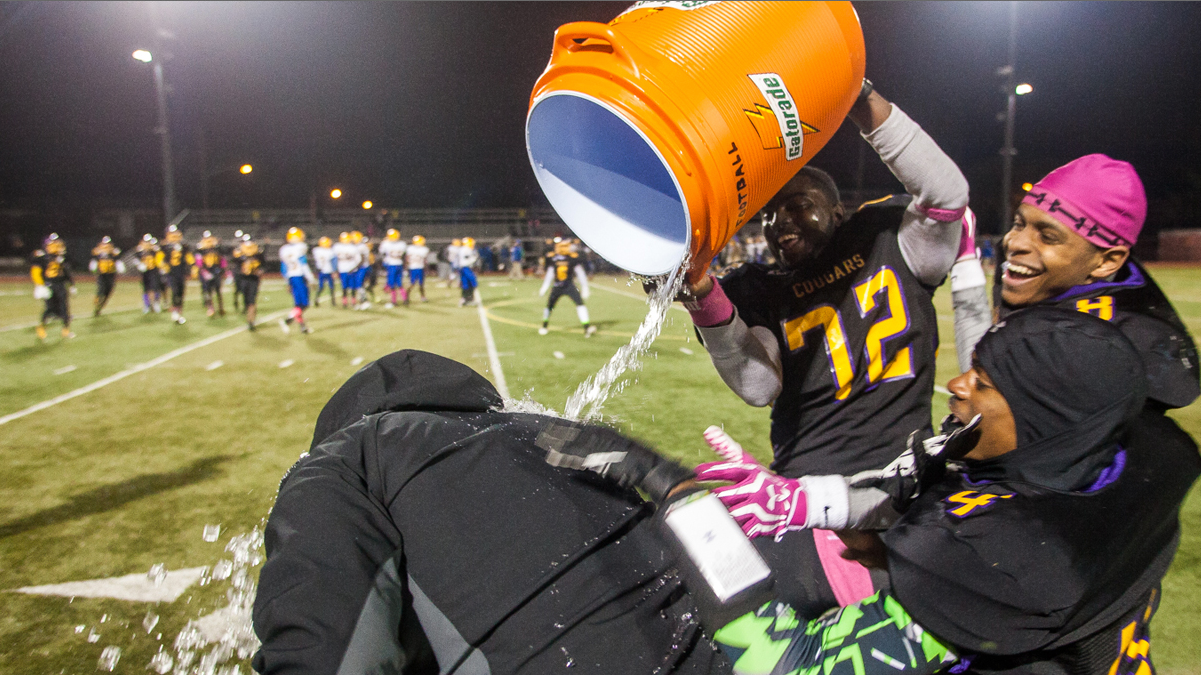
109,658
150,622
212,532
157,574
161,663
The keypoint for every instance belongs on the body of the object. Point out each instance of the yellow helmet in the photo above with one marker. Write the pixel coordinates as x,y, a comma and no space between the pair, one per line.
418,240
324,242
295,234
457,242
54,245
393,234
344,238
356,237
562,246
469,242
174,236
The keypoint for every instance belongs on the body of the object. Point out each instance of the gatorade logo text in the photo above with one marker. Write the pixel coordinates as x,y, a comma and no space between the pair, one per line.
783,108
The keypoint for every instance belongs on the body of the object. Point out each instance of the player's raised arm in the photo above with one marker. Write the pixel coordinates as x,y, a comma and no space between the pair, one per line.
930,231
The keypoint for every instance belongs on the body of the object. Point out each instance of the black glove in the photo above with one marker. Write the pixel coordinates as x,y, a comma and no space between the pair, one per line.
628,463
923,463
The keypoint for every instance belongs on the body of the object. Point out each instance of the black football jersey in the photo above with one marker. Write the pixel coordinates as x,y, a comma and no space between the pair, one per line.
1134,303
564,265
210,259
177,257
249,260
55,268
106,258
857,334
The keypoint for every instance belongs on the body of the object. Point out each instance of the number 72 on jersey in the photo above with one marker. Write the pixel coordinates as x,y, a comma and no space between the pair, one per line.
828,320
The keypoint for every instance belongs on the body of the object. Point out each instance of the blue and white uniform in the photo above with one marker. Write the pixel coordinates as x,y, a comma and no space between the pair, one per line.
393,254
415,258
323,258
349,259
294,264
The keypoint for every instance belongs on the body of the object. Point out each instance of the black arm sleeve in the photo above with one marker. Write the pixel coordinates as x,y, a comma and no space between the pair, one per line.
327,539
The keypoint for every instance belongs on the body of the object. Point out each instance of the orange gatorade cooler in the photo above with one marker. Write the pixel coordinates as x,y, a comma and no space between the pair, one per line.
666,130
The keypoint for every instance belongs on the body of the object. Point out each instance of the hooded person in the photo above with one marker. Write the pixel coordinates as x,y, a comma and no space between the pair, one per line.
1069,246
1039,549
425,532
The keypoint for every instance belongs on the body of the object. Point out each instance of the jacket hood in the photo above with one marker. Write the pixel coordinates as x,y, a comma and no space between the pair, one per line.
1073,383
406,380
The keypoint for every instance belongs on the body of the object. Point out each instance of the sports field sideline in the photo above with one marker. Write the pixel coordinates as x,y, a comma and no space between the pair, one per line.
119,446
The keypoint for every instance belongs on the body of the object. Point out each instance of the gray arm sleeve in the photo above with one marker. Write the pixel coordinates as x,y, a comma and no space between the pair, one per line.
748,360
929,244
969,298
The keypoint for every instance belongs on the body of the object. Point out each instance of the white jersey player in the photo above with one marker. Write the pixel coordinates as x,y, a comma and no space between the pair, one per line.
392,252
294,264
349,260
323,258
416,256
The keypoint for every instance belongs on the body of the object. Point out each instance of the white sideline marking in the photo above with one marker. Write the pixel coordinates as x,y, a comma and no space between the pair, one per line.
641,298
116,377
559,355
214,365
64,370
133,587
942,390
493,358
685,350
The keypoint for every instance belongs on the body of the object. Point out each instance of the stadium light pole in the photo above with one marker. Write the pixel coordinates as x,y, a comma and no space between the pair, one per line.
1008,151
164,132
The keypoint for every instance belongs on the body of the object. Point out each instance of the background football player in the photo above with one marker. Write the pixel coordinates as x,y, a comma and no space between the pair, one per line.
51,274
563,268
212,267
323,258
349,258
150,260
415,259
392,253
468,258
106,265
294,263
251,260
178,260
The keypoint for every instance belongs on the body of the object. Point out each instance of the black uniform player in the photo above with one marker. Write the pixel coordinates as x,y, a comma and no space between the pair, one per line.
177,267
563,268
212,272
150,262
51,274
106,265
250,260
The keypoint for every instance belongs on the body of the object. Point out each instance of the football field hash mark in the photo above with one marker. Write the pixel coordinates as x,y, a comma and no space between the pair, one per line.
214,365
286,363
64,370
356,360
117,377
559,355
685,350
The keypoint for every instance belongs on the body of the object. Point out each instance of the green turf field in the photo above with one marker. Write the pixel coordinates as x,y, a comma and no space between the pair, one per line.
120,478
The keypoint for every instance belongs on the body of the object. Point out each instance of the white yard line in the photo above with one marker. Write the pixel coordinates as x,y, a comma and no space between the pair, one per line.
116,377
942,390
493,357
641,298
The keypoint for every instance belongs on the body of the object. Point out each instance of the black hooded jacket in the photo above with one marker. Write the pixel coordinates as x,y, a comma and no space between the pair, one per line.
425,533
1016,558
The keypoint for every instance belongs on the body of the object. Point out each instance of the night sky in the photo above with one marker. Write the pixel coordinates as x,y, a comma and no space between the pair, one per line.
423,104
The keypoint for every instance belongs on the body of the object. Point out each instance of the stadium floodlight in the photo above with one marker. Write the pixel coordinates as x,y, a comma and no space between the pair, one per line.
367,204
335,193
1026,187
143,56
1023,89
245,169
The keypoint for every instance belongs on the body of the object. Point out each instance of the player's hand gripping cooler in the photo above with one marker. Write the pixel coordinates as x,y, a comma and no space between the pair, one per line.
724,573
658,135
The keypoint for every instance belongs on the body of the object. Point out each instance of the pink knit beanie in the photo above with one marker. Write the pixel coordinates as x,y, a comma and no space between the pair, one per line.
1099,198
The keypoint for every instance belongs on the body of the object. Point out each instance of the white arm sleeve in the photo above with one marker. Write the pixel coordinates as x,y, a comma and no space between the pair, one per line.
929,234
748,360
582,276
550,274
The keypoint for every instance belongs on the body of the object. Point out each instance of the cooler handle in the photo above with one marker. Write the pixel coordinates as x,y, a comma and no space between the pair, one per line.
568,33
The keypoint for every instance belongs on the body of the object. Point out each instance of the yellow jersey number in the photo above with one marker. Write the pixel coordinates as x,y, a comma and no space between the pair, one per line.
833,332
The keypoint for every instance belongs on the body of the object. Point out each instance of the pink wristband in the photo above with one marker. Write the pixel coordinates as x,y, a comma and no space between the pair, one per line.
941,215
713,309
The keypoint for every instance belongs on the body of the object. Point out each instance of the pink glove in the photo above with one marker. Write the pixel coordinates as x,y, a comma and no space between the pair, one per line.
967,241
760,501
